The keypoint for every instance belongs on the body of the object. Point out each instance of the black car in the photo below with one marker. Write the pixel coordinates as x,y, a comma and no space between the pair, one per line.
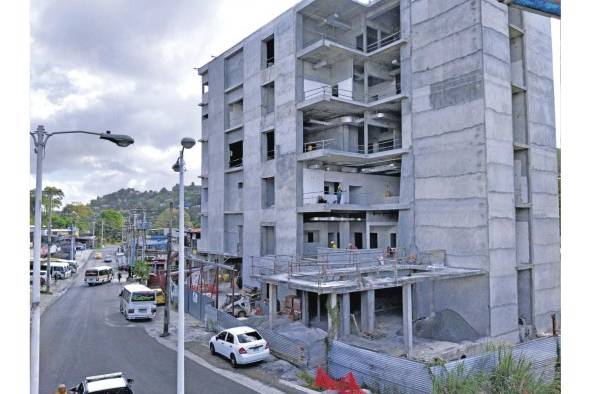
112,383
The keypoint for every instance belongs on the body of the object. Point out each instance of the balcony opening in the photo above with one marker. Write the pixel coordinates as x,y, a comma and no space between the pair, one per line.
373,240
393,240
268,145
358,240
267,240
235,113
384,30
516,56
381,139
268,49
521,177
268,192
359,42
234,69
268,98
236,153
519,118
205,88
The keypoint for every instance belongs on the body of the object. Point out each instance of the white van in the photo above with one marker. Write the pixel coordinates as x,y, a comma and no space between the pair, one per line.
60,270
98,275
137,302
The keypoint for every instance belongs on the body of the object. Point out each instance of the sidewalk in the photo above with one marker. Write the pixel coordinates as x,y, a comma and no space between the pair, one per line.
276,373
61,286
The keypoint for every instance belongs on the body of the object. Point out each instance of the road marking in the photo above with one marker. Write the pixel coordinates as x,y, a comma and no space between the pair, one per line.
235,377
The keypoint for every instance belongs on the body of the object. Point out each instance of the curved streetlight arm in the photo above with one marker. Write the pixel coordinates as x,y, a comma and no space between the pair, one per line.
118,139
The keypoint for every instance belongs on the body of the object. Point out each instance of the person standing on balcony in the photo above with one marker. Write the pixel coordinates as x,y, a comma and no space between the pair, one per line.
339,194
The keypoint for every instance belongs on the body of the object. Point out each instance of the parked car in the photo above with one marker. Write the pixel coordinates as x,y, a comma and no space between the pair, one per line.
108,258
241,345
98,255
109,383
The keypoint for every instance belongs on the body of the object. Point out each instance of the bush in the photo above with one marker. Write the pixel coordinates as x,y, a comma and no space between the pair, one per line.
510,376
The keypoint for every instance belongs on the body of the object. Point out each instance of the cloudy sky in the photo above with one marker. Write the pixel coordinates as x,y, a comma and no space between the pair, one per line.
127,66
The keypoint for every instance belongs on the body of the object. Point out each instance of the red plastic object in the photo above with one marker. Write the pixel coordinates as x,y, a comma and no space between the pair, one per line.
346,385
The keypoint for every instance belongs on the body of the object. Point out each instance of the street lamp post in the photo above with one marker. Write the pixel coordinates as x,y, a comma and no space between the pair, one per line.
179,167
40,138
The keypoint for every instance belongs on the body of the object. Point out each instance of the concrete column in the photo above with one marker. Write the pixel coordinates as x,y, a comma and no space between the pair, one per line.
272,304
345,312
345,231
368,314
365,117
264,294
333,304
407,317
305,308
318,308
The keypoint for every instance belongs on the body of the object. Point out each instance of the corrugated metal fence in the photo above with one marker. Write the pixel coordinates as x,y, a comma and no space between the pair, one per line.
388,374
297,352
380,372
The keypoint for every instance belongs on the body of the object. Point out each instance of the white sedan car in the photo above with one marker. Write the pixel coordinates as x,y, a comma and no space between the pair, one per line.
242,345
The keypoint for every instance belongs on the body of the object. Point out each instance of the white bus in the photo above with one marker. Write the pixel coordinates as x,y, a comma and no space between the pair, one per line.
137,302
98,275
60,270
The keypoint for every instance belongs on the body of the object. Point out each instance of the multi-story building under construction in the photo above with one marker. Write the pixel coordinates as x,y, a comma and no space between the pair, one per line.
396,130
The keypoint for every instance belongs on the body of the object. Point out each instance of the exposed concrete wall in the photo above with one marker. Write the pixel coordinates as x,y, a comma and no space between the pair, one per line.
500,170
449,149
545,236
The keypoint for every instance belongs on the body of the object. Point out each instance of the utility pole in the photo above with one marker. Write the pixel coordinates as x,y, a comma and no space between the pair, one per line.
168,264
102,233
47,273
73,240
144,237
93,223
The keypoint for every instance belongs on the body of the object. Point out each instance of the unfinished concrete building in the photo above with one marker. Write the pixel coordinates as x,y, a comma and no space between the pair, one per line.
346,144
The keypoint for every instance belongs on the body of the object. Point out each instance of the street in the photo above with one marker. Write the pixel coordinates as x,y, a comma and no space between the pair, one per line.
83,334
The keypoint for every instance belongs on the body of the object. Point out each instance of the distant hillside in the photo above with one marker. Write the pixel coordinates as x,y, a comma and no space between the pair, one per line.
154,202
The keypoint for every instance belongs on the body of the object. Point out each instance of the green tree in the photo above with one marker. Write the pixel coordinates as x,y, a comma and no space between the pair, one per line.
142,271
163,219
112,223
81,214
57,196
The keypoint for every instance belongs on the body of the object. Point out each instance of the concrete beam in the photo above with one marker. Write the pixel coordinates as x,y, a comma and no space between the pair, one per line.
345,314
368,314
407,317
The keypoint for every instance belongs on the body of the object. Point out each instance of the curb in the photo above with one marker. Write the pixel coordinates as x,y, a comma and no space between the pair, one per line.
233,376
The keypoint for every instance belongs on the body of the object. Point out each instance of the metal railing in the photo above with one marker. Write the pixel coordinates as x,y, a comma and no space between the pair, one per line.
372,147
384,41
315,145
337,265
237,162
384,145
359,198
326,92
271,154
320,36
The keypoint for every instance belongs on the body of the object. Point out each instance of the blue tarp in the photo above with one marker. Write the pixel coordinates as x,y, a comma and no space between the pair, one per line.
546,7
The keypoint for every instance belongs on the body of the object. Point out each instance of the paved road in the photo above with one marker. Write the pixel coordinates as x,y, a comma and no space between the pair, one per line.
84,334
